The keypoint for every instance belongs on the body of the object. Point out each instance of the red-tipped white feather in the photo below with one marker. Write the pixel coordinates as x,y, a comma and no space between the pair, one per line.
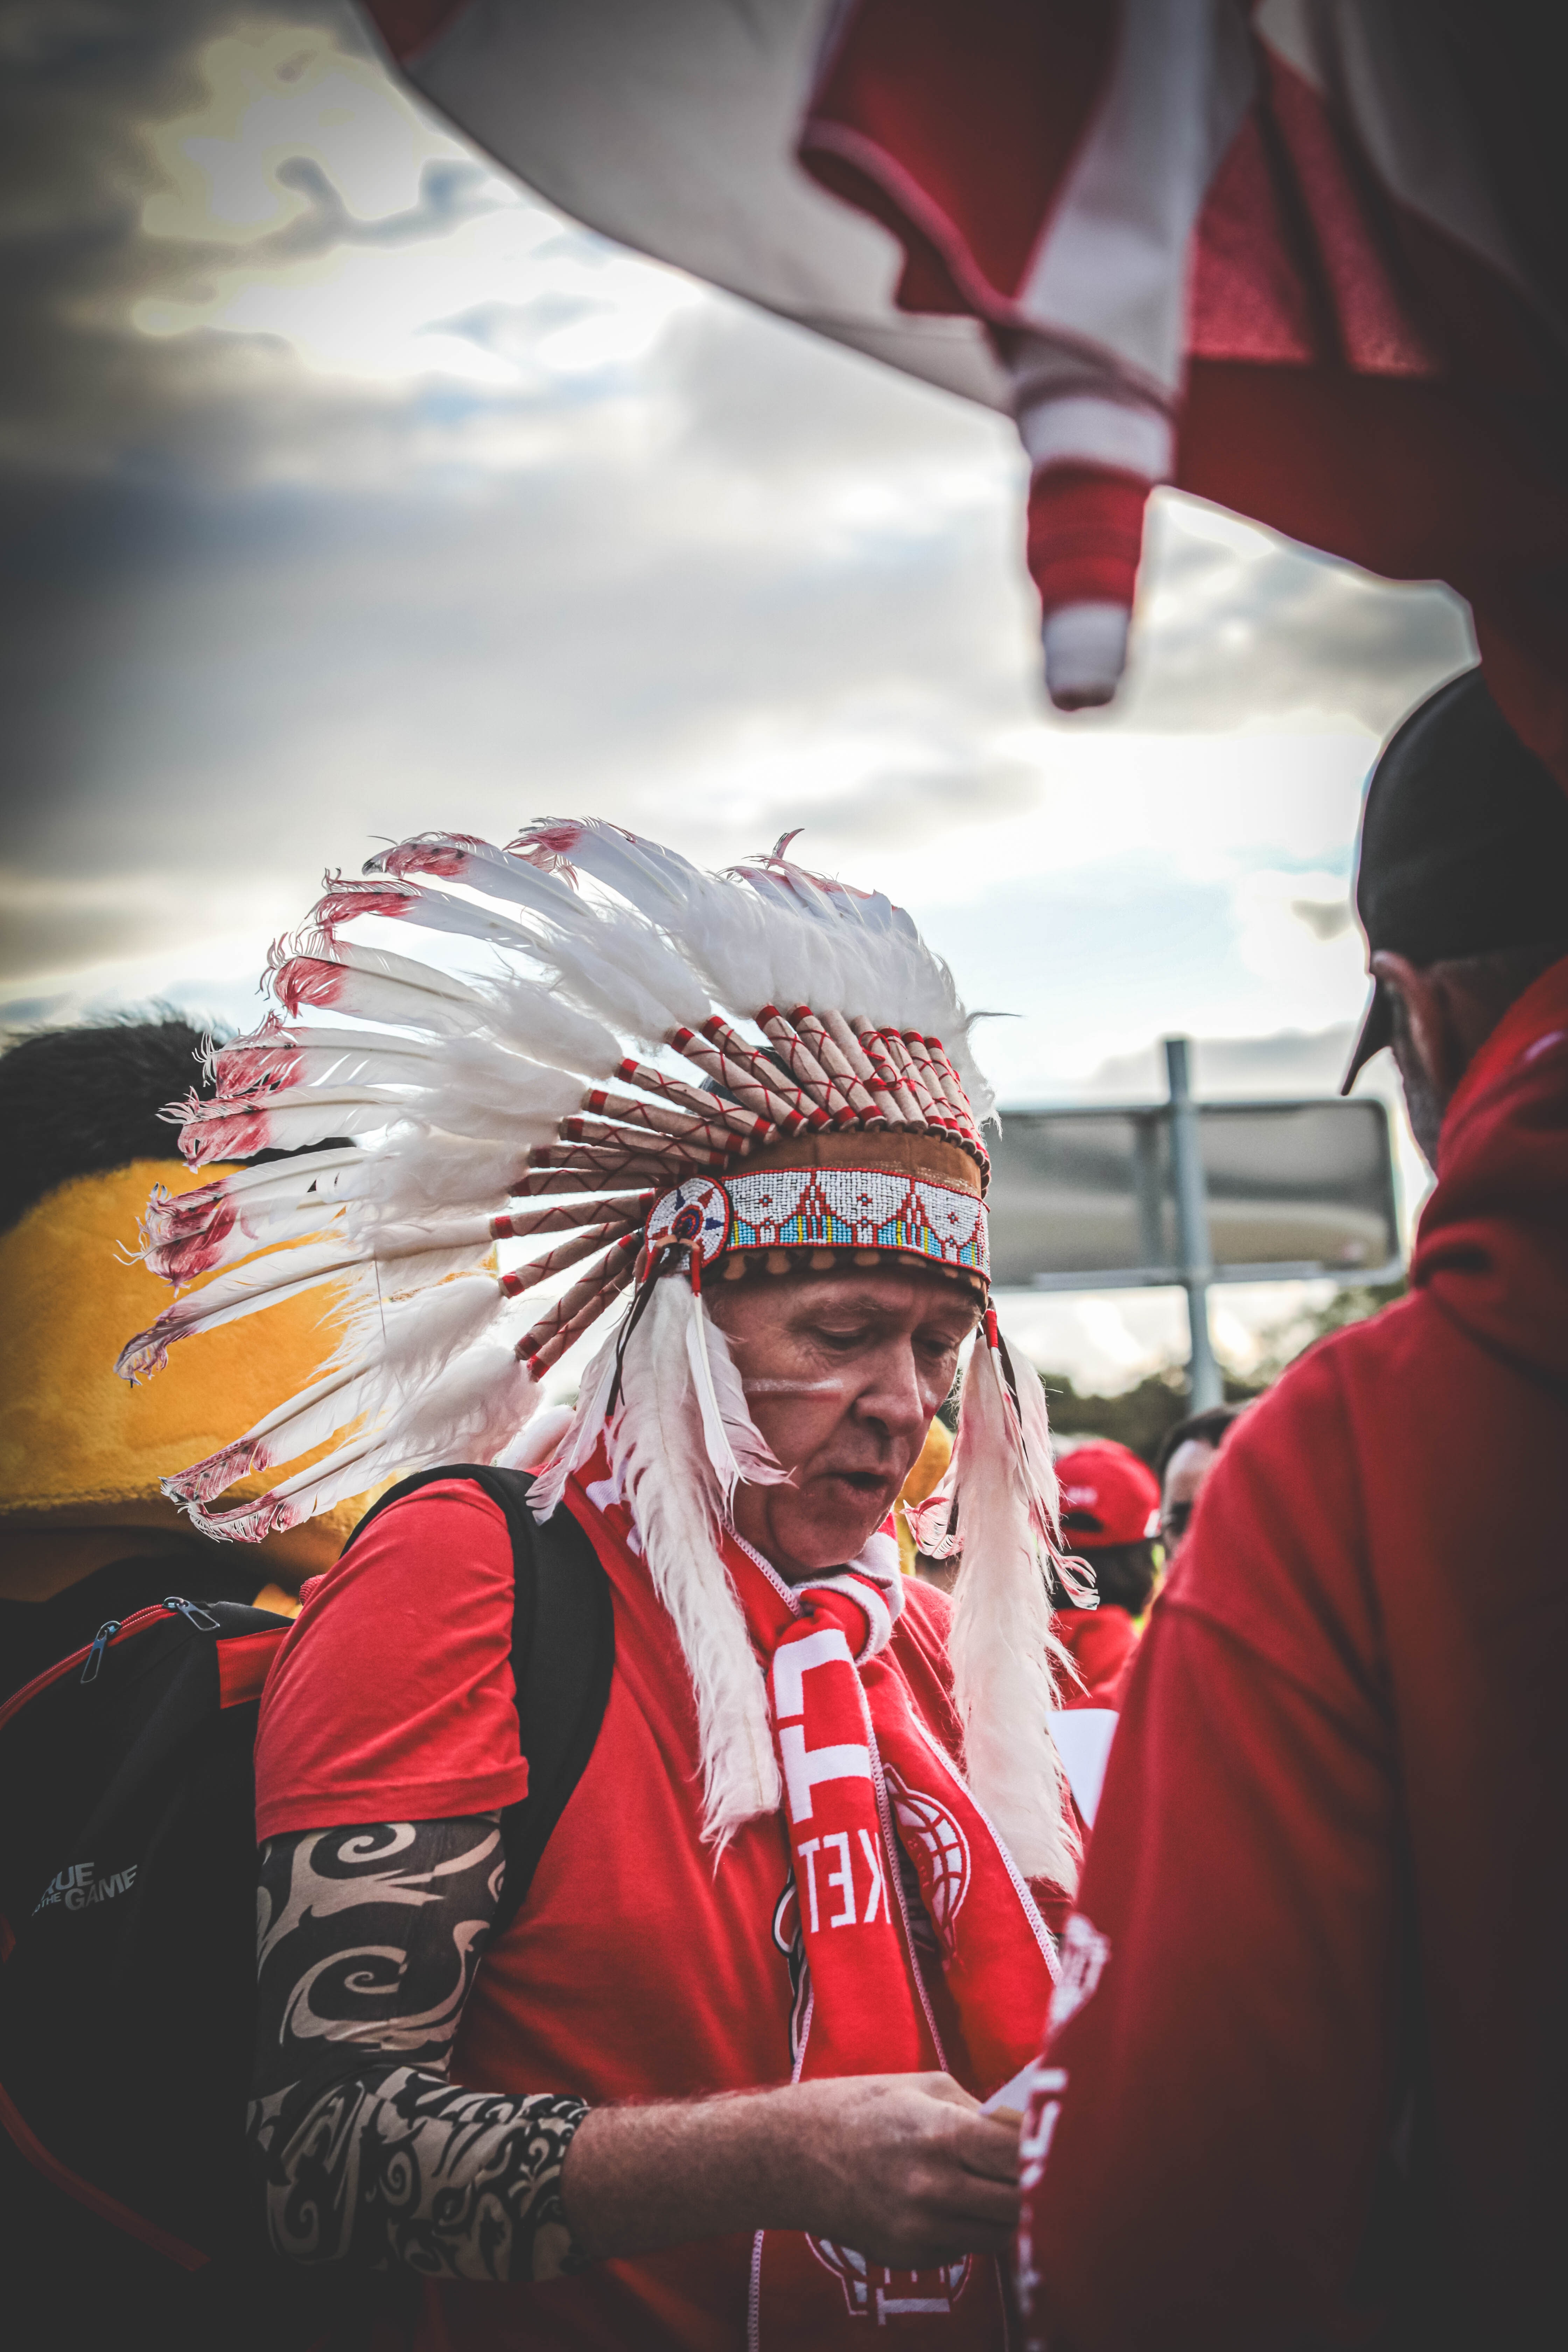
478,865
287,1122
185,1234
370,985
659,881
322,1179
348,896
606,1276
282,1054
245,1290
468,1413
440,1244
388,1353
383,1258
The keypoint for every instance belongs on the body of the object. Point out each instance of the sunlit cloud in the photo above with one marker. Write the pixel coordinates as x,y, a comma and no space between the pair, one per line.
355,243
1316,965
271,94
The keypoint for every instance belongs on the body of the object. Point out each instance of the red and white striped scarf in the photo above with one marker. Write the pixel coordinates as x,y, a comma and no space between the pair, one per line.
922,1946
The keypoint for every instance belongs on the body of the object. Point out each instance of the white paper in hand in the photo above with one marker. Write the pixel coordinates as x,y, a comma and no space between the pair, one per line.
1014,2094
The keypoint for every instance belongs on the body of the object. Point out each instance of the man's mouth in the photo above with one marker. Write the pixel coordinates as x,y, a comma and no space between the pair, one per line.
872,1483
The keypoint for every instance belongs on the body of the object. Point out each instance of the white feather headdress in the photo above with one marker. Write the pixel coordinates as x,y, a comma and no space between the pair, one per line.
656,1069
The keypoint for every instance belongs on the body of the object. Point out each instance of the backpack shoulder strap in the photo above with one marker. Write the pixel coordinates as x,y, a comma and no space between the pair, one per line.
563,1658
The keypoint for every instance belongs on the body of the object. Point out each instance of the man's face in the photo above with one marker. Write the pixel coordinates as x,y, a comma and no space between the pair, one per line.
1424,1105
843,1374
1187,1469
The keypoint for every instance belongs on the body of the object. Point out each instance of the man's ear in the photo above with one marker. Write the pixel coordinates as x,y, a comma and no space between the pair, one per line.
1434,1026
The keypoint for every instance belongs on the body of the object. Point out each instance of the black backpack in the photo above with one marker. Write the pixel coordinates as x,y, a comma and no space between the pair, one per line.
127,1930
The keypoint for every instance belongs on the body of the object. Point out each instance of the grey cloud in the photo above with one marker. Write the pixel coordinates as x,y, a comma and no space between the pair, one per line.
393,651
910,807
1290,630
48,937
448,193
77,386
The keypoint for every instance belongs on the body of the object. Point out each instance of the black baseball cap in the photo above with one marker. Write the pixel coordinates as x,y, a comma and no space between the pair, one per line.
1464,844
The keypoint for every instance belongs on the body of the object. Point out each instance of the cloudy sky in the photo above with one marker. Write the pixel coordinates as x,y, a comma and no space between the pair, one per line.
349,491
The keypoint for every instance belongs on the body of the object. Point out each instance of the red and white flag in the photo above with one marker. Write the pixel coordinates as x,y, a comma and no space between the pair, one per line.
1304,258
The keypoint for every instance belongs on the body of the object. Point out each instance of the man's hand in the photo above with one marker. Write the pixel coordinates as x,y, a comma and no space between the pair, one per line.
903,2167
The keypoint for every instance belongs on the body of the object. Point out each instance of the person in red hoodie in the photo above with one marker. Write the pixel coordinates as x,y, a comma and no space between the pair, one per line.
1306,2069
1110,1512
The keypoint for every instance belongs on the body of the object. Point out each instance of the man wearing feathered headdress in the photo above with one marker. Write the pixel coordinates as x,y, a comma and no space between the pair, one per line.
804,1861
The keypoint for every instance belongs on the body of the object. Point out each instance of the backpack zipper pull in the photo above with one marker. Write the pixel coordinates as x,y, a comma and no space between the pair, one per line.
191,1614
100,1642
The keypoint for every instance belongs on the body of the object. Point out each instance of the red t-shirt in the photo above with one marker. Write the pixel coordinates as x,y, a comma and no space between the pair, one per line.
641,1966
403,1706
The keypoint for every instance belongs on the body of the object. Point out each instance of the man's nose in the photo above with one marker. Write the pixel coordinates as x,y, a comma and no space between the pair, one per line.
893,1400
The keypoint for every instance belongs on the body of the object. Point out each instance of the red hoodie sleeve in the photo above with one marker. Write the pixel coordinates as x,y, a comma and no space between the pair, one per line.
1228,2019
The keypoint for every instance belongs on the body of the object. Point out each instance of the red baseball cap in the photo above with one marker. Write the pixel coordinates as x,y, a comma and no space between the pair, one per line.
1108,1496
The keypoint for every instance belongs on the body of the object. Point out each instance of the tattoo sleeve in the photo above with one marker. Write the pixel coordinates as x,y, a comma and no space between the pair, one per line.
368,1940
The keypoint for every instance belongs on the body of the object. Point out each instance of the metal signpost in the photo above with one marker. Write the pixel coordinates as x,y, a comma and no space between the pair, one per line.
1195,1254
1187,1193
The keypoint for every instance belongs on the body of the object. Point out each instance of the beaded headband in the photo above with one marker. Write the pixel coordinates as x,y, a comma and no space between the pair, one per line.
872,1212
